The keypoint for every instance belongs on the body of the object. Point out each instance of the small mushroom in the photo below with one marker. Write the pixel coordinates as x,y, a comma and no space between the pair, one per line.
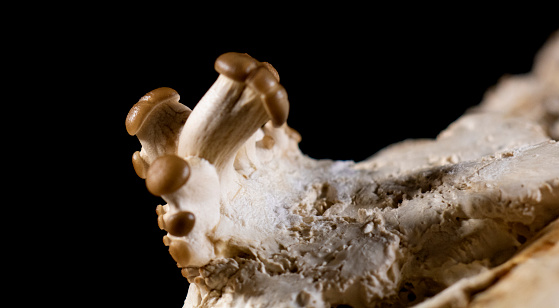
167,174
274,94
245,96
142,109
180,252
236,66
156,119
139,164
180,224
260,76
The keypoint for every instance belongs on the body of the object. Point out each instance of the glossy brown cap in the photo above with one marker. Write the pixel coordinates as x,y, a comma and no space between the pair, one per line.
180,224
145,105
180,252
275,96
272,70
277,106
262,80
234,65
167,174
140,166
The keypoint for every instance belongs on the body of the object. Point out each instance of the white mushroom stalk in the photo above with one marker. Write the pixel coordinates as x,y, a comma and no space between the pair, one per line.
253,222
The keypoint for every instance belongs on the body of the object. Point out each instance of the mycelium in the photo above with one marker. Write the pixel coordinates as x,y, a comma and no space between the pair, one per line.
253,222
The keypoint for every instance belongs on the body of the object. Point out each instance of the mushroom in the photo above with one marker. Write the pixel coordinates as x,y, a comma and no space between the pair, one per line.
181,223
167,174
157,120
262,77
245,96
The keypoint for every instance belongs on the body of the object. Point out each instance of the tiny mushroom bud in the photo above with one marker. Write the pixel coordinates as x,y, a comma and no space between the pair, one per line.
167,174
180,252
139,164
180,224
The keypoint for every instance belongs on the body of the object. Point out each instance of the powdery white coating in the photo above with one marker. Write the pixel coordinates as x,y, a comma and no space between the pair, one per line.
435,222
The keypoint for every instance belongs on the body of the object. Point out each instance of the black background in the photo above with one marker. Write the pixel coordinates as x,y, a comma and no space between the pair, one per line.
357,81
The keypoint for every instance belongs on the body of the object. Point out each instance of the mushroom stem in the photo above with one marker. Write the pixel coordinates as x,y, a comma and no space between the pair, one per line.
227,115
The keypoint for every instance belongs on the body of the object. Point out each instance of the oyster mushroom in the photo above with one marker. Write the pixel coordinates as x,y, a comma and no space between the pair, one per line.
253,222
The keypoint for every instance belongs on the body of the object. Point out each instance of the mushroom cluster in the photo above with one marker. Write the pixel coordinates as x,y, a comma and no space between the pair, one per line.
253,222
189,157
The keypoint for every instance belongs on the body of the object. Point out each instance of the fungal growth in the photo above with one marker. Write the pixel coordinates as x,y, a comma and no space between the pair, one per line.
458,221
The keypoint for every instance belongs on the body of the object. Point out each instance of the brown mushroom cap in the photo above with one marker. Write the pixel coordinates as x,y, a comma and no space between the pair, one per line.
272,70
262,80
180,224
167,174
140,166
277,106
234,65
145,105
180,252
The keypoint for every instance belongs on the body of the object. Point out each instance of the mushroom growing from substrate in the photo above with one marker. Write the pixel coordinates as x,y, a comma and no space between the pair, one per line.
465,220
